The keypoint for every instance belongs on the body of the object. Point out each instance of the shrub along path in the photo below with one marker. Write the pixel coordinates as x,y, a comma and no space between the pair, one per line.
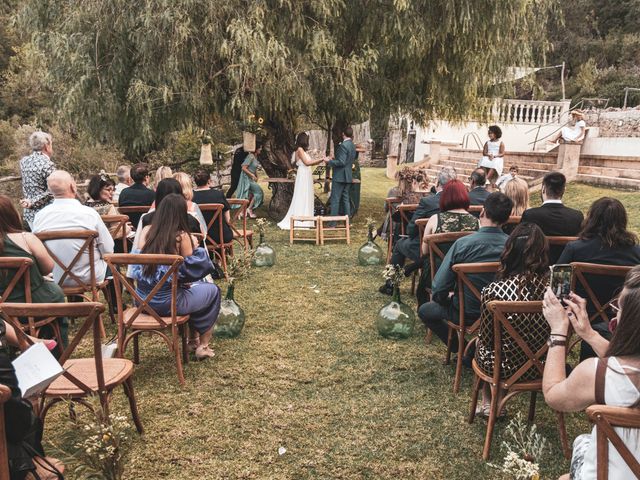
309,373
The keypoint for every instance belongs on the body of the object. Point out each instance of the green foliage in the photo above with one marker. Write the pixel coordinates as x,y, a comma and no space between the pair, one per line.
135,71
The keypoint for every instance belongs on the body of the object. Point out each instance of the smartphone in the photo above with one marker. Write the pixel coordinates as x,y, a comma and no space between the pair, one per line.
561,277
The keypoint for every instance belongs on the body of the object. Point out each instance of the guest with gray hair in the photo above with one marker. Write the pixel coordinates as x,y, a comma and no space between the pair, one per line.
409,247
124,180
35,169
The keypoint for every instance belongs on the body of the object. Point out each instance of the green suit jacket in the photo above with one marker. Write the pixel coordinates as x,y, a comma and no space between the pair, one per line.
342,164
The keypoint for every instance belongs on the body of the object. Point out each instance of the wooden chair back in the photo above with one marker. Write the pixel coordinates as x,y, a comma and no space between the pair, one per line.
391,203
5,395
514,220
504,314
90,311
118,263
605,419
139,209
216,222
614,274
120,233
475,209
239,216
21,266
438,244
87,248
421,224
406,212
556,246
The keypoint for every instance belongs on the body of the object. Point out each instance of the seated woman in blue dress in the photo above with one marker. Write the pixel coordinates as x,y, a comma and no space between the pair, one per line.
168,234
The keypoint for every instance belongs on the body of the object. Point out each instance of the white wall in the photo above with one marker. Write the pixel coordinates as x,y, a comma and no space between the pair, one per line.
611,146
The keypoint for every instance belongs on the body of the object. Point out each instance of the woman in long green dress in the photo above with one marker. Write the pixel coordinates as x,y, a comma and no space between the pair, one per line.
14,242
248,184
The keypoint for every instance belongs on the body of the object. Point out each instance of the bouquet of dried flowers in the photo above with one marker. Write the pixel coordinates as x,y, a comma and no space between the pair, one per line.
394,274
239,266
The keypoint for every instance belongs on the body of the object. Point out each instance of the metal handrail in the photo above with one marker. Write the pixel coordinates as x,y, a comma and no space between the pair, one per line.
476,138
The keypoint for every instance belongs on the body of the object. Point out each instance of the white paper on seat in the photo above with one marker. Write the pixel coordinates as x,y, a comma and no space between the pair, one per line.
35,369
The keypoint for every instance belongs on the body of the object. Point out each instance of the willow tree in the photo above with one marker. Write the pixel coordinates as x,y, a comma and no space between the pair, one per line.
134,71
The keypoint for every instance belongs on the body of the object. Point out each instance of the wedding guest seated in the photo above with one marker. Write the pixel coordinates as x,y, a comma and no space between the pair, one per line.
612,379
604,240
204,193
502,182
478,192
453,217
139,194
485,245
124,180
67,213
409,247
100,191
169,235
18,243
187,192
518,191
574,132
161,173
555,219
523,277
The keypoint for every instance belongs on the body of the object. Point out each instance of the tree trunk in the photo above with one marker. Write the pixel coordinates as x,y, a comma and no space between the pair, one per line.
275,160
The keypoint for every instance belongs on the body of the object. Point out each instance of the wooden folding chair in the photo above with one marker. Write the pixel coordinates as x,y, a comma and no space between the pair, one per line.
406,213
240,215
391,203
505,314
134,213
82,377
120,233
216,222
615,274
136,320
606,418
88,248
463,272
556,247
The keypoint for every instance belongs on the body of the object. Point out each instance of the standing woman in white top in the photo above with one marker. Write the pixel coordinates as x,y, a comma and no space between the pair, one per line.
303,197
574,131
492,155
619,379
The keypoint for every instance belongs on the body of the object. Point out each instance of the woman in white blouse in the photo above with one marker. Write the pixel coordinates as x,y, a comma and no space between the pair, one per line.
574,131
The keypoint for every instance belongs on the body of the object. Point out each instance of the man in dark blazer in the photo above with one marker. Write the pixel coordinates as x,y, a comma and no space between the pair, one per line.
553,217
477,190
341,176
409,246
138,194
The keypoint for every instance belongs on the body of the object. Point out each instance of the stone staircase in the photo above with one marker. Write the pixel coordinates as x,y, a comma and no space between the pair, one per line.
618,172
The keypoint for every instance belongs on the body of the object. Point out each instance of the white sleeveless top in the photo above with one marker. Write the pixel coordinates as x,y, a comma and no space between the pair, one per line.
493,147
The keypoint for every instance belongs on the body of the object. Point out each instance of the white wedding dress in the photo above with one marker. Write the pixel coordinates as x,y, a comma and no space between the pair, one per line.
303,198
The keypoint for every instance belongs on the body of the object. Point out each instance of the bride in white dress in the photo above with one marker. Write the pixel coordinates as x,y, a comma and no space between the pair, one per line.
303,197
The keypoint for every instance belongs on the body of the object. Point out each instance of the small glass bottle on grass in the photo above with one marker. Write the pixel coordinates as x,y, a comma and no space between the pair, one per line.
265,255
370,253
395,320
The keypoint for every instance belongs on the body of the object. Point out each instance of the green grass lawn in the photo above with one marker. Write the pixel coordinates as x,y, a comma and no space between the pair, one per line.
310,373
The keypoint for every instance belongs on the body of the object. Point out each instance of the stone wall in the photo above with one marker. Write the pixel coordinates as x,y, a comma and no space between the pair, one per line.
615,122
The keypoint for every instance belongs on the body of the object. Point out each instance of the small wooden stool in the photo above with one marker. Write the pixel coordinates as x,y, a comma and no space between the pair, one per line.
341,232
314,229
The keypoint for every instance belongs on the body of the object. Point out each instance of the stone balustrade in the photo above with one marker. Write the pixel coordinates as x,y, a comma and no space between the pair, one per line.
529,111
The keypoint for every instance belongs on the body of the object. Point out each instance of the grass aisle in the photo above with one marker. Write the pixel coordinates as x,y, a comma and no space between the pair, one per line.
309,373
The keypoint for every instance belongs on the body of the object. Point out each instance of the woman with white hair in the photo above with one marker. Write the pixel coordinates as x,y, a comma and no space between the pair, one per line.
35,169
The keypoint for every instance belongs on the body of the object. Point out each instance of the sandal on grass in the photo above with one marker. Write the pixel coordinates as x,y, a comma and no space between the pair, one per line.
484,410
203,352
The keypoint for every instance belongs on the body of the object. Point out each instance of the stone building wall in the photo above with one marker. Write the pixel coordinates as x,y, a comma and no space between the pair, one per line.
615,122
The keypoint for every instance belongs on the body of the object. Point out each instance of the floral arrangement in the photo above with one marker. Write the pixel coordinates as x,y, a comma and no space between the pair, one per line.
523,452
394,274
371,224
100,443
239,266
261,225
252,124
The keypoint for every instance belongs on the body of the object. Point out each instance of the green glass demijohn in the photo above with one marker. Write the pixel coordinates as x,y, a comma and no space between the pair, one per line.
370,253
231,318
265,255
396,320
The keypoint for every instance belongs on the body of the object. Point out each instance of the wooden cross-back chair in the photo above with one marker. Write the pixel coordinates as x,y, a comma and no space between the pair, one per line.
581,274
216,222
143,318
82,288
120,233
21,266
391,204
606,418
134,212
406,212
5,395
458,326
85,376
532,356
475,209
556,246
241,233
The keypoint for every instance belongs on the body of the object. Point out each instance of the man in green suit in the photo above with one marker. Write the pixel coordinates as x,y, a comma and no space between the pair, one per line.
342,178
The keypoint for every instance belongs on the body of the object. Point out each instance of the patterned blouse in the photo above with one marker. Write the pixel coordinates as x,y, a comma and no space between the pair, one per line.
532,327
456,222
35,169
